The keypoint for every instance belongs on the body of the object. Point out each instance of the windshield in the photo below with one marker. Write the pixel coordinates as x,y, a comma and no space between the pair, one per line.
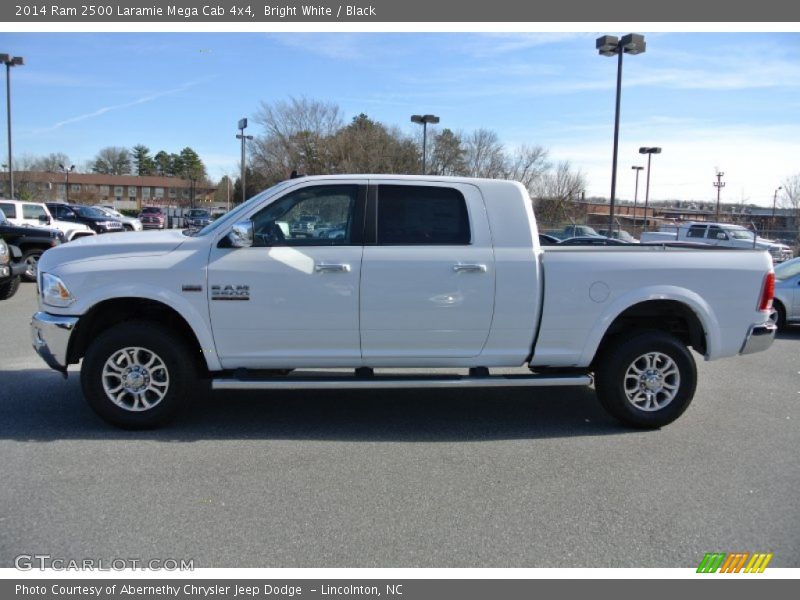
740,234
234,214
89,211
787,270
151,209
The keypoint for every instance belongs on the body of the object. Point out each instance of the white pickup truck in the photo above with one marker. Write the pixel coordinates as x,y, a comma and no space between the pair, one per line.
726,235
429,273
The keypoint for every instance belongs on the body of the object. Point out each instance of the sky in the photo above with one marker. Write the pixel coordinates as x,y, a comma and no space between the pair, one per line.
712,101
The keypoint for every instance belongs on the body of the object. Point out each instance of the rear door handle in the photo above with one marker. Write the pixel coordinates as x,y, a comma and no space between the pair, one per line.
469,268
332,268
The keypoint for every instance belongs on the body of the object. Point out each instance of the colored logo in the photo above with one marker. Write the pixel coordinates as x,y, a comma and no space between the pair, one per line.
738,562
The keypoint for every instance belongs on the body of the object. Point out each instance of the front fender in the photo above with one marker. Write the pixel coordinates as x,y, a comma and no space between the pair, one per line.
192,312
687,297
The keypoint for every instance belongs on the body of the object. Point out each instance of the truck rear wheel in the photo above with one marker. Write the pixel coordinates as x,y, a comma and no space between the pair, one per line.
646,381
137,375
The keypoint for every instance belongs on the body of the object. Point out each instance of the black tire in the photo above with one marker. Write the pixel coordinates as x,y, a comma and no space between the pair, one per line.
167,398
778,315
31,259
9,288
650,358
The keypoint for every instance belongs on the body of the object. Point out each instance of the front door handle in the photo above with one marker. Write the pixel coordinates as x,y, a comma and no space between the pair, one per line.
469,268
332,268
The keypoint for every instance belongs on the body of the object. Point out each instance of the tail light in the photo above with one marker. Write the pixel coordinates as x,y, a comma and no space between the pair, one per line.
767,293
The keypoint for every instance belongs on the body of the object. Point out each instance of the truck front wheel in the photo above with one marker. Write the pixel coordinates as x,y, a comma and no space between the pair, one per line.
646,381
137,375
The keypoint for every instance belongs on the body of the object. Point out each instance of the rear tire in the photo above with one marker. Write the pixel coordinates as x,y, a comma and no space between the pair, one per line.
31,260
138,375
778,316
9,288
646,381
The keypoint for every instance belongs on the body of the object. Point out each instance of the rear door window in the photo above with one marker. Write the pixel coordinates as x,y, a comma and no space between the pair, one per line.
421,215
696,231
9,210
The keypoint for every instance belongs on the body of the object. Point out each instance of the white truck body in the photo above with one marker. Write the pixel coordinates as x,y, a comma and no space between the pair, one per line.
726,235
29,213
497,300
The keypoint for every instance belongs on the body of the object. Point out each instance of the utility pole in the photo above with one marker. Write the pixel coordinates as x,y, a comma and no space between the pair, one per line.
636,195
719,184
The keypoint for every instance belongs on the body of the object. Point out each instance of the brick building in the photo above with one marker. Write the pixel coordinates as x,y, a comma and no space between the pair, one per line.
123,191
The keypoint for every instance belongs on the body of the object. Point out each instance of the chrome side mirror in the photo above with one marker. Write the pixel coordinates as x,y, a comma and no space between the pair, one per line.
241,234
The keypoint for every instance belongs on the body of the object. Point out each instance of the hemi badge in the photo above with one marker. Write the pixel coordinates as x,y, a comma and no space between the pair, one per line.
192,288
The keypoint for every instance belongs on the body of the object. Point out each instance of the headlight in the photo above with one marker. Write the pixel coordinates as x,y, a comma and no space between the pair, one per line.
3,252
55,292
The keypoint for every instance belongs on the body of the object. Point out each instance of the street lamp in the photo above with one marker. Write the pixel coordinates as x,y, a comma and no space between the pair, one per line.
424,120
609,45
241,136
67,171
719,184
10,61
636,194
649,151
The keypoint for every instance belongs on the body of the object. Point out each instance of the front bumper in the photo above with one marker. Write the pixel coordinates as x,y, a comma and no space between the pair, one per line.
759,338
50,335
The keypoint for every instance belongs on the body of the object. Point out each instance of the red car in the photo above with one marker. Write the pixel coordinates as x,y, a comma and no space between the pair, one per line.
153,217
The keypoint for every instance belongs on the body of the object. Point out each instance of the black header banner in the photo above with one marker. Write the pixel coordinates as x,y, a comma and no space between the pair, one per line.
397,11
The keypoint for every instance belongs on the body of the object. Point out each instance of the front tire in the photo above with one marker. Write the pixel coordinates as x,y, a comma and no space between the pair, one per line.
9,288
646,381
31,260
138,375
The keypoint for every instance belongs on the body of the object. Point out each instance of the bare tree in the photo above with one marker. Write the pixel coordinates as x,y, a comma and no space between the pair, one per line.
790,195
528,164
484,154
447,154
296,136
554,192
112,160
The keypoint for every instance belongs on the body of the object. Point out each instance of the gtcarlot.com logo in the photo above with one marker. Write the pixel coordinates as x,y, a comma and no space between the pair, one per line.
736,562
44,562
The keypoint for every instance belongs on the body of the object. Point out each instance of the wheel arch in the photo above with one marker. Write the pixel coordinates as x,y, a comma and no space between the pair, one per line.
110,312
687,321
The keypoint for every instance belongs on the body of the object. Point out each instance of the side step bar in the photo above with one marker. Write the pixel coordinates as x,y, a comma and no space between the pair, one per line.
399,382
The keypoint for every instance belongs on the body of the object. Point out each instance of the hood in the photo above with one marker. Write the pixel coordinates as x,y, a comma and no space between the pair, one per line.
113,245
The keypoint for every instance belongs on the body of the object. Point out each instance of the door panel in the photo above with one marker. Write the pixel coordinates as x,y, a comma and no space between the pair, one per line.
292,299
421,298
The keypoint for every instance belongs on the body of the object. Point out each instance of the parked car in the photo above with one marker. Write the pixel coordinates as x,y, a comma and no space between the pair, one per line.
129,223
11,269
196,218
36,214
32,242
439,272
153,217
786,305
96,219
304,226
548,240
575,231
619,234
718,234
592,240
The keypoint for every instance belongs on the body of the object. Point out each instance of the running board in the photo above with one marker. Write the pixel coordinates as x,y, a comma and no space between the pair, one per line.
400,382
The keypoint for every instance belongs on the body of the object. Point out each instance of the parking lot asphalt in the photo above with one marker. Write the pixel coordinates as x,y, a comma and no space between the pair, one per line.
484,478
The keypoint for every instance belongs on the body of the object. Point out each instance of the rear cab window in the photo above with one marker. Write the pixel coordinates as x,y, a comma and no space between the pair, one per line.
421,215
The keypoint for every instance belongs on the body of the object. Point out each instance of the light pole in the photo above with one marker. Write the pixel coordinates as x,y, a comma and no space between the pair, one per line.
774,201
244,138
67,171
424,120
609,45
719,184
10,61
636,194
649,151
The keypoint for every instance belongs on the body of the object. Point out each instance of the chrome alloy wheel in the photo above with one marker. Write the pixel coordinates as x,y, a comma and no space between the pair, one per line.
135,379
652,381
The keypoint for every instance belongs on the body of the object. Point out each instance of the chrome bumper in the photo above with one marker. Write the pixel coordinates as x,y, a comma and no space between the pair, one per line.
759,338
50,336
